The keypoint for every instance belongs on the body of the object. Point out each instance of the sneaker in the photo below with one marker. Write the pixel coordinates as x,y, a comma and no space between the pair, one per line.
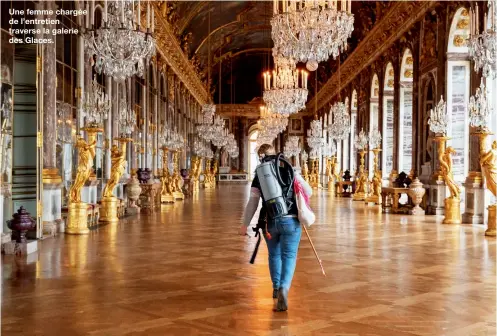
275,293
282,304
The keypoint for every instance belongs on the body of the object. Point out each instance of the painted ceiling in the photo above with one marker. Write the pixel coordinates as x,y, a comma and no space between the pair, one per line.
239,34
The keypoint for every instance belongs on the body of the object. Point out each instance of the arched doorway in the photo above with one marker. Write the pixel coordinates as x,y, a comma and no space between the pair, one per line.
253,159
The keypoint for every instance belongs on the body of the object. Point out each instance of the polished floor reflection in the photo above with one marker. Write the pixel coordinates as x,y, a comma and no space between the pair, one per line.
185,271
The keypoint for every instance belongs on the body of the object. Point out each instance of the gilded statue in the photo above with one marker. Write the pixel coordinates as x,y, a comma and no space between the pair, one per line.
85,164
340,176
361,181
329,173
446,170
305,171
376,184
166,187
118,163
488,163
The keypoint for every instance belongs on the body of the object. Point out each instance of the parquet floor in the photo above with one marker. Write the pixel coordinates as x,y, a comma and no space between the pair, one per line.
185,271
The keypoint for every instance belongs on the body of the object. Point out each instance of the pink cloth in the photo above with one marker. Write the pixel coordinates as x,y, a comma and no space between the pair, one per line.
299,188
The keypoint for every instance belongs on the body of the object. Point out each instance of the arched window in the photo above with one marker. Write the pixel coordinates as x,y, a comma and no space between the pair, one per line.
353,127
405,124
387,127
491,83
373,113
253,159
458,81
345,165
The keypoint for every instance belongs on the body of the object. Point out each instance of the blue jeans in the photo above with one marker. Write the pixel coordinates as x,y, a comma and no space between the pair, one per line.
282,247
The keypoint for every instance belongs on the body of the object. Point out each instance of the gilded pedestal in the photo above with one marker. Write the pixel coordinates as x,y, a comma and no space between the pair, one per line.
108,211
77,220
452,211
110,203
492,219
166,179
361,181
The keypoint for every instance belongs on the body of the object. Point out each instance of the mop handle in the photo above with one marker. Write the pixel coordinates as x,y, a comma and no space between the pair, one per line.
314,249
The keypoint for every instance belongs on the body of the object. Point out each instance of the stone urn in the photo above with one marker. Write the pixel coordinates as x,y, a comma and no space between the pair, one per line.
133,190
143,175
21,224
347,176
416,192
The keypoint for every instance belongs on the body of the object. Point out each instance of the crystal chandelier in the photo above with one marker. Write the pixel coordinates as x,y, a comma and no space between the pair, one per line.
285,90
340,128
64,122
315,138
95,105
483,46
120,45
127,120
479,108
374,139
292,147
439,119
362,141
311,30
270,125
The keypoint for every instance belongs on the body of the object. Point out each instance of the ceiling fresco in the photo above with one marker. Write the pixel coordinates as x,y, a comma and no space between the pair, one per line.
241,30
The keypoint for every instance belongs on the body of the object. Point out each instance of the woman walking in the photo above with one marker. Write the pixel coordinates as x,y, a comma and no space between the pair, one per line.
282,234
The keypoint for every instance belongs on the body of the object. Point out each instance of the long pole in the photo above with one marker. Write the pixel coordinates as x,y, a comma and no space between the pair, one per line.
314,249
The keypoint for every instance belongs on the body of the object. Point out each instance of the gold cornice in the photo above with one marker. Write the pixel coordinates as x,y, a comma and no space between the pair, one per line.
169,48
230,54
246,110
396,22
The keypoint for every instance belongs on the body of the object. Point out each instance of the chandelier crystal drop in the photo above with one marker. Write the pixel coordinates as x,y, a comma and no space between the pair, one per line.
361,142
340,128
374,139
292,147
310,30
483,46
127,120
480,108
270,125
285,89
121,47
439,119
95,105
315,138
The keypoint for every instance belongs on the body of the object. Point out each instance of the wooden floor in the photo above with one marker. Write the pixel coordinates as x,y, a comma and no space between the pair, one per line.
185,271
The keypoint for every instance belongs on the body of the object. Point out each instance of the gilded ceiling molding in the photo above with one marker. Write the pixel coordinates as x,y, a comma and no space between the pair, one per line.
230,54
395,23
169,48
245,110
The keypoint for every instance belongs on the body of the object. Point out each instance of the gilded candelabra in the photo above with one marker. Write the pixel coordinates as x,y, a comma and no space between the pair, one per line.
453,202
208,174
176,178
166,180
195,174
361,180
314,176
331,173
488,162
374,194
110,203
77,222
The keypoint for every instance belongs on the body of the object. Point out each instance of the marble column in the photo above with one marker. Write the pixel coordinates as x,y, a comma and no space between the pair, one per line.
52,183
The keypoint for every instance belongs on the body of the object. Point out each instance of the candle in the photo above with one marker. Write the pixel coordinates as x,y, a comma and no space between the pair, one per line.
122,11
148,14
105,12
87,16
153,20
275,6
139,14
92,13
476,22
